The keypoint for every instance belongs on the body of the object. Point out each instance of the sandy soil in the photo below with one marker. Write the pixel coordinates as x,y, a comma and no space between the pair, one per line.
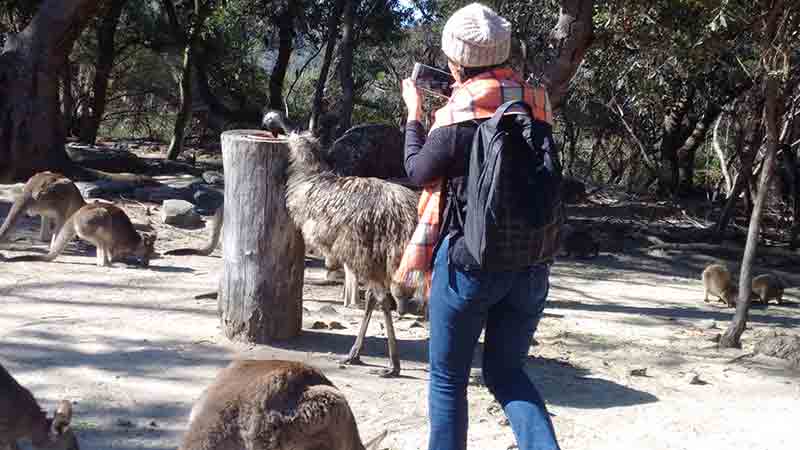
133,349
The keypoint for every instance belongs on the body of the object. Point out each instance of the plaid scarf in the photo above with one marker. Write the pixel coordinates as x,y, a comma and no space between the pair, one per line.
478,98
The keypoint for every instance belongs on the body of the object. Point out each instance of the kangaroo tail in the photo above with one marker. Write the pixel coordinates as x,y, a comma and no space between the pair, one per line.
65,235
212,244
19,207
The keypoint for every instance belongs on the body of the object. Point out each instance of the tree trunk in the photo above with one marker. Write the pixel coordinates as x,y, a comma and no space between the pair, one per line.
32,131
67,99
723,159
285,23
687,151
185,110
731,337
319,90
668,149
260,295
571,36
346,66
106,52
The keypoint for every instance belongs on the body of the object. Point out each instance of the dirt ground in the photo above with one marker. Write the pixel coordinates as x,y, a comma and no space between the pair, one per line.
624,356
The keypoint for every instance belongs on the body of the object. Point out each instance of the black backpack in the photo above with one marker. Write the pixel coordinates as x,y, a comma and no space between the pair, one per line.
513,188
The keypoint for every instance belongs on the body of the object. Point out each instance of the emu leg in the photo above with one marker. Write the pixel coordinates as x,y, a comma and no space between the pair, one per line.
353,356
350,288
392,344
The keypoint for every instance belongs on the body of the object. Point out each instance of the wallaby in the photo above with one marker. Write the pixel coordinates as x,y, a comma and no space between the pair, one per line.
273,405
106,227
768,286
22,418
717,281
216,231
50,195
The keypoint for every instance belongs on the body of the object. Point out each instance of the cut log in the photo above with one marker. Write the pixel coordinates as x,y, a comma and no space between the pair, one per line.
260,295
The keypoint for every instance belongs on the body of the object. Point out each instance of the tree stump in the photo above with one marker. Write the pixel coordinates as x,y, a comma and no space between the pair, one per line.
261,288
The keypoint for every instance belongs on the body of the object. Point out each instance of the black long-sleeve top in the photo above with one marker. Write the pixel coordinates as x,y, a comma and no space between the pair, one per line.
443,154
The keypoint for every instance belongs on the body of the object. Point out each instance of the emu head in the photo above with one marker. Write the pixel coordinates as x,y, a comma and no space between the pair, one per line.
274,122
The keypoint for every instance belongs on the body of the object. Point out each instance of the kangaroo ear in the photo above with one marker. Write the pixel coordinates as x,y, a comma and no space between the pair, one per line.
374,443
62,417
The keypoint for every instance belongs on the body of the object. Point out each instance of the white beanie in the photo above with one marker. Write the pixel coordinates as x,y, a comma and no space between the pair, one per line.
475,36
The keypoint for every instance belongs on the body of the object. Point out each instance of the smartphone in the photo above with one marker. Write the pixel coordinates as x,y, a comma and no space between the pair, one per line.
433,80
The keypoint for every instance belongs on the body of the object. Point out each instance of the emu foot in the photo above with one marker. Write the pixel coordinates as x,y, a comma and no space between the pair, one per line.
386,373
352,361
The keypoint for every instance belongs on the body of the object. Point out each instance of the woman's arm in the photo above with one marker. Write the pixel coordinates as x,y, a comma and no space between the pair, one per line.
431,158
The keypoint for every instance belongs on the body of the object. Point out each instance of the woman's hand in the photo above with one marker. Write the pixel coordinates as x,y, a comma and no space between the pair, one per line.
413,100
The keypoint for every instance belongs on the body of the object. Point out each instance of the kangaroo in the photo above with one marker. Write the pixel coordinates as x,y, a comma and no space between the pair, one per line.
50,195
216,231
768,286
273,405
718,282
22,418
106,227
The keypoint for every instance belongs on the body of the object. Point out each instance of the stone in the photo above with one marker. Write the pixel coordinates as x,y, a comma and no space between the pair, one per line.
161,193
693,378
319,325
207,200
327,309
213,177
180,213
97,189
640,372
336,325
707,324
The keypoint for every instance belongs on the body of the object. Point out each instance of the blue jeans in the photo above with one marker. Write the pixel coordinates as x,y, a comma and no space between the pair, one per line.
510,305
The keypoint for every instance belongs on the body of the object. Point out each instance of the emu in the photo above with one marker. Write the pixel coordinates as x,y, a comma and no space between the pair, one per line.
273,405
365,223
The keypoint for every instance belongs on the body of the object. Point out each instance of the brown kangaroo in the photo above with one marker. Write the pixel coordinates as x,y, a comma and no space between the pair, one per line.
273,405
22,418
717,281
50,195
106,227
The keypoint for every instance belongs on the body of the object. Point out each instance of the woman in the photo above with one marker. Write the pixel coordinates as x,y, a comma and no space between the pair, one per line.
463,300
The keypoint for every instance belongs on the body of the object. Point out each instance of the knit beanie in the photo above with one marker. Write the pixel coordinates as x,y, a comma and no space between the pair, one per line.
475,36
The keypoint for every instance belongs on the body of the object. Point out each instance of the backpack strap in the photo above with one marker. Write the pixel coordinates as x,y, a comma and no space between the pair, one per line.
503,109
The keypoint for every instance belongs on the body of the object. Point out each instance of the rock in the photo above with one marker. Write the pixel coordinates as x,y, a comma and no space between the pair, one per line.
693,378
153,424
368,151
319,325
161,193
335,325
213,177
97,189
327,309
707,324
124,423
180,213
640,372
207,200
